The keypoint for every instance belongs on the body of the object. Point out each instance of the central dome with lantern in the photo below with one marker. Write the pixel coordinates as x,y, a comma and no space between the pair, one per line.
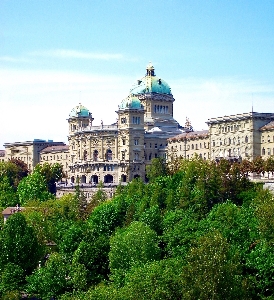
150,84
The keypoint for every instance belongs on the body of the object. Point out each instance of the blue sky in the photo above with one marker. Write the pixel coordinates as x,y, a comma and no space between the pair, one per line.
217,56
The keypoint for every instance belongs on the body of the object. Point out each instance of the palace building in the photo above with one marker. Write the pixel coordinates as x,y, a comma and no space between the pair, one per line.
145,129
120,152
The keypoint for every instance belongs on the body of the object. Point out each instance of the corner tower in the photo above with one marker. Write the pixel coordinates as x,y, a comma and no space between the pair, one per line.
131,138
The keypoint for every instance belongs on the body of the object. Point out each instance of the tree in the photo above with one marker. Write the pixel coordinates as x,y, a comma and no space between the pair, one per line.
258,165
181,229
33,187
155,280
264,210
158,167
19,244
56,278
22,170
132,246
15,170
92,252
260,266
12,278
8,195
81,200
212,271
269,165
71,240
52,173
238,225
106,217
97,198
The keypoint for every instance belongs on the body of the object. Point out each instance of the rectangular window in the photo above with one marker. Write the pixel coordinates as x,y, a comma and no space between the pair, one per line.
136,120
136,142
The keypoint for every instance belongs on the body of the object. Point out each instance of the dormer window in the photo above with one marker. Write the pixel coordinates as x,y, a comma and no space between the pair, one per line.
160,81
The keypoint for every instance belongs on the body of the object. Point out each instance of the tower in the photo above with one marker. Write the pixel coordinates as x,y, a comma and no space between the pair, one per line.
80,119
156,97
131,138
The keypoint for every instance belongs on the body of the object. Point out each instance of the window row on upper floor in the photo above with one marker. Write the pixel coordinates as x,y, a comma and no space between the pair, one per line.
160,109
231,128
267,139
230,141
192,146
54,157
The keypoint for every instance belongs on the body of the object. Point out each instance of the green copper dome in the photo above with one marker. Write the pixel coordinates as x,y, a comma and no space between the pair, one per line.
79,111
131,102
150,84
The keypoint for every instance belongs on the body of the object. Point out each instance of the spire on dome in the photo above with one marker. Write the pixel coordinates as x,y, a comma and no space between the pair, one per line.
150,70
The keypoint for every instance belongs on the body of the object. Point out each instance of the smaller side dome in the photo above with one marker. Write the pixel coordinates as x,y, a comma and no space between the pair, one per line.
79,111
131,102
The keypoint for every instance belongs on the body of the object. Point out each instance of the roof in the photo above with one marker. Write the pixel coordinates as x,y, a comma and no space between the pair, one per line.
240,117
190,135
12,210
150,84
268,126
79,111
55,148
131,102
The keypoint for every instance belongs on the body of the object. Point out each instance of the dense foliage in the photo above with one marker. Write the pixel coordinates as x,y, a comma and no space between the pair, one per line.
197,230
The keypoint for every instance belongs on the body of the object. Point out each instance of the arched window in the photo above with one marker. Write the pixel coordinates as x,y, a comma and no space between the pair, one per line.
123,178
108,178
109,155
94,179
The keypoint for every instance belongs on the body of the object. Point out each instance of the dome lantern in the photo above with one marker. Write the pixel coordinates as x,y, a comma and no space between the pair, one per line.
150,70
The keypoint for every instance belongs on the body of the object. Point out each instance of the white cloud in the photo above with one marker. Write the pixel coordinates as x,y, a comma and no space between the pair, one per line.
36,104
201,99
67,53
12,59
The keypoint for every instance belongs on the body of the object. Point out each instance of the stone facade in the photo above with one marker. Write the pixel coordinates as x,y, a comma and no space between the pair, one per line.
234,137
189,144
56,154
120,152
28,152
267,140
238,137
